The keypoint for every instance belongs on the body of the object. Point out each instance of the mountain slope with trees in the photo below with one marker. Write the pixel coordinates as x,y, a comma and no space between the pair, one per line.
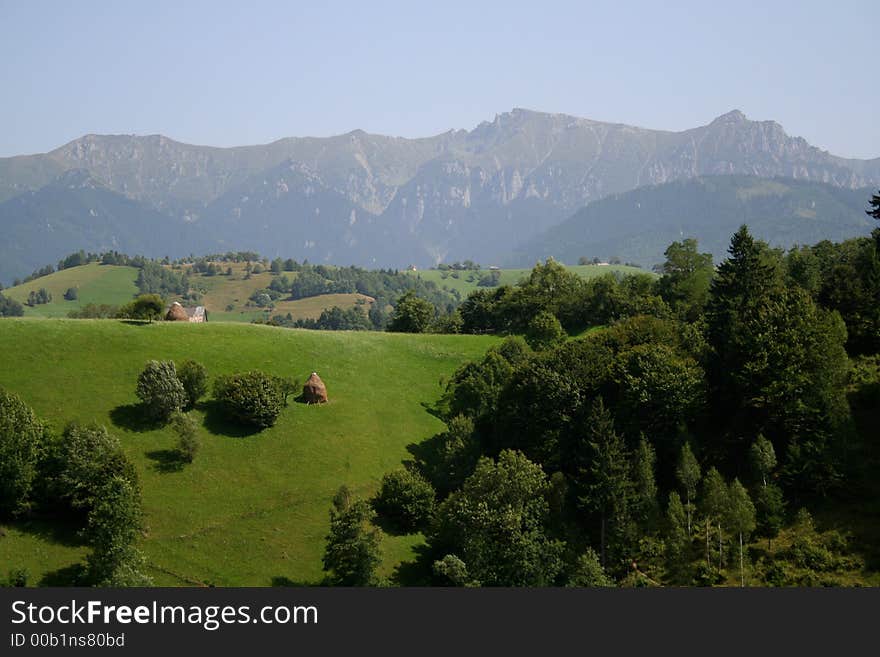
718,426
637,226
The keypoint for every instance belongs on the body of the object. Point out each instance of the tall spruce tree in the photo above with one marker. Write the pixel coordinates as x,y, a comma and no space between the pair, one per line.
645,483
741,283
875,206
610,490
769,512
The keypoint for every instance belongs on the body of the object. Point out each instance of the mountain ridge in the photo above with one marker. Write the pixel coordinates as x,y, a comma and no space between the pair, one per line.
461,194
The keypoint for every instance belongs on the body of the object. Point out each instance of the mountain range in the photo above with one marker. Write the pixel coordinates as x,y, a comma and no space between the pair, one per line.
374,200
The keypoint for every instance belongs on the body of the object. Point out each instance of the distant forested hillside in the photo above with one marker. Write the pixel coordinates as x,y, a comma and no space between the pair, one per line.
638,226
78,212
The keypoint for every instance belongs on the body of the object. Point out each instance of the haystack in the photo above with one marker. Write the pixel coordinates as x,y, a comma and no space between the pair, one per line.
176,313
314,391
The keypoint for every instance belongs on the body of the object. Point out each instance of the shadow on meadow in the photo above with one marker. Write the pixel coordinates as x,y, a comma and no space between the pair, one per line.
434,409
73,575
50,530
389,526
133,417
218,423
281,580
59,532
418,572
166,460
427,453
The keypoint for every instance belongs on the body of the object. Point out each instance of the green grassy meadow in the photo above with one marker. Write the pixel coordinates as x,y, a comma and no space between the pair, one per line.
113,285
95,283
253,507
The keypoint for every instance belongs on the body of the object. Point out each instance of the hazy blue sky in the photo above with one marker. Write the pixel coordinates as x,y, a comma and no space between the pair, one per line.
226,73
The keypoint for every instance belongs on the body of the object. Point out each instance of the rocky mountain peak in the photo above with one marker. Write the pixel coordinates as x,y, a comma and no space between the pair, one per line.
462,194
733,117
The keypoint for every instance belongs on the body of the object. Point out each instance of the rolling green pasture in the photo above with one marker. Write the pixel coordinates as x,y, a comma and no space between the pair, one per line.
253,507
95,283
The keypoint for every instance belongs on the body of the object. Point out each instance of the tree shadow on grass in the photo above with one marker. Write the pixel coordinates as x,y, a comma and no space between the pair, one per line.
281,580
427,453
58,531
166,460
73,575
389,526
434,410
134,417
51,529
219,423
419,571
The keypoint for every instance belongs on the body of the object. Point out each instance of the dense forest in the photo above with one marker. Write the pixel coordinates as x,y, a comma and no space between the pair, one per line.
702,417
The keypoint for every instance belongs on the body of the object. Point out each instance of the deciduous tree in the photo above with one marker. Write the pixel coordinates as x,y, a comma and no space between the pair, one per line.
411,314
740,519
22,440
497,524
114,522
688,474
160,390
352,553
405,499
194,378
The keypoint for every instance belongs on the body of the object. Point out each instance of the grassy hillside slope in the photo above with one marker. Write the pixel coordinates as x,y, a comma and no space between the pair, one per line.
253,508
95,283
109,284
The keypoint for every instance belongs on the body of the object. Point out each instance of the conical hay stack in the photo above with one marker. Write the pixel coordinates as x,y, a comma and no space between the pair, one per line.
314,391
176,313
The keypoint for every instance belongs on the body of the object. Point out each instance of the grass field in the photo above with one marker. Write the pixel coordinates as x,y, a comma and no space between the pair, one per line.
112,285
253,508
95,283
466,282
310,307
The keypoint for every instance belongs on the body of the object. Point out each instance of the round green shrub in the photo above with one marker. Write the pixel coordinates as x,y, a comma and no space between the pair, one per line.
194,378
253,398
160,390
405,499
